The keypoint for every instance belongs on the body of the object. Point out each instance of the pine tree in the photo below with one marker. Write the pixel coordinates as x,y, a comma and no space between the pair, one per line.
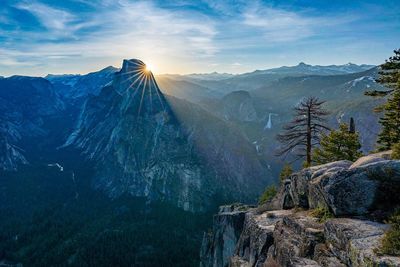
389,76
396,151
303,133
340,144
390,121
285,172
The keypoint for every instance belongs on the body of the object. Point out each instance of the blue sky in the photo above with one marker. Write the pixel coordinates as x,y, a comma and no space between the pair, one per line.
78,36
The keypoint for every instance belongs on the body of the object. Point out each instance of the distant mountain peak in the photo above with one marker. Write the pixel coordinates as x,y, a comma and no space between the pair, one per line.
109,69
302,64
134,76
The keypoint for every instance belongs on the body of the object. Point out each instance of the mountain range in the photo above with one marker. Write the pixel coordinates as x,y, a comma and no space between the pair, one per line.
118,149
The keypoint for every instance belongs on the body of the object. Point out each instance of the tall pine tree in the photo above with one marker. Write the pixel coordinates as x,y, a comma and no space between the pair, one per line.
303,133
389,76
340,144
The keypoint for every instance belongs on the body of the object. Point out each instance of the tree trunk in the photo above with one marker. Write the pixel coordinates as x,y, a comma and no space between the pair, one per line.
308,160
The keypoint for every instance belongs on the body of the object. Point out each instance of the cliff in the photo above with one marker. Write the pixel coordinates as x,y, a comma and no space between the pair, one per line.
287,231
146,144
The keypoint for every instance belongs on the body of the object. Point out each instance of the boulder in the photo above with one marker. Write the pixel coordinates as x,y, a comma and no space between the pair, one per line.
358,191
371,184
295,189
377,157
354,242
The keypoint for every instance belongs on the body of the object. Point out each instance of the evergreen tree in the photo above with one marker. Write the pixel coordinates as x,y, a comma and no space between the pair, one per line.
396,151
340,144
389,76
303,133
390,121
285,172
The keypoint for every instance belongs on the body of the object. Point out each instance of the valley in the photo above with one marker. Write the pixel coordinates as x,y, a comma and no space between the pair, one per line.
108,157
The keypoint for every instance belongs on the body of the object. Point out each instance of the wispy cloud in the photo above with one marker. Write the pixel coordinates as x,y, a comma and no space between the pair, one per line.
57,22
123,29
279,25
181,36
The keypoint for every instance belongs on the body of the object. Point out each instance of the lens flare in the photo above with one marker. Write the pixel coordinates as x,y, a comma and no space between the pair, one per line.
148,68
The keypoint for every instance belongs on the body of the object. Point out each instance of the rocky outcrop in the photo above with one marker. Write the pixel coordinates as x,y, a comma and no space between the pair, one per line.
256,237
354,242
219,245
370,184
294,239
285,231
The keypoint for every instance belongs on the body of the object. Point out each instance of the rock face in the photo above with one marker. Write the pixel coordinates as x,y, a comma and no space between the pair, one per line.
345,188
218,247
11,156
147,144
26,106
290,238
285,232
353,242
238,106
257,237
78,86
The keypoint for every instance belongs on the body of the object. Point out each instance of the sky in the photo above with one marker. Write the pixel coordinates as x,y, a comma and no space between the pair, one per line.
38,37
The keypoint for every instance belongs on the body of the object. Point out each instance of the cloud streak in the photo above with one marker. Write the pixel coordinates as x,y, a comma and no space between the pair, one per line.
177,37
120,30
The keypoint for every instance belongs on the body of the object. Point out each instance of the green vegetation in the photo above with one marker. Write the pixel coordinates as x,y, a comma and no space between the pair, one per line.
268,194
286,171
340,144
391,240
396,151
322,213
43,223
389,77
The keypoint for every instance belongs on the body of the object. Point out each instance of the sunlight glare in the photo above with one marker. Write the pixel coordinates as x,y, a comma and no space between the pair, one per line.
148,68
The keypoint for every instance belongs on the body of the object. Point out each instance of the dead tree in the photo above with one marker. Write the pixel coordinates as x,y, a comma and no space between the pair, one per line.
303,133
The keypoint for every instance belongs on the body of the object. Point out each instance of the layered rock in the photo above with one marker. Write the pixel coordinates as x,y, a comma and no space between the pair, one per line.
256,237
292,236
149,145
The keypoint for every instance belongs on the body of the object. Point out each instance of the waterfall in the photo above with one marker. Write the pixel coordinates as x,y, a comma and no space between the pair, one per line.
269,123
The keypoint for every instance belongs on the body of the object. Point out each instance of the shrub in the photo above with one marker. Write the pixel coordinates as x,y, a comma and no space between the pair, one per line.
396,151
268,194
322,213
391,240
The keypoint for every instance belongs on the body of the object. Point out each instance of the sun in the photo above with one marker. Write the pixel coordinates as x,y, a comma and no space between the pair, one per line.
148,68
